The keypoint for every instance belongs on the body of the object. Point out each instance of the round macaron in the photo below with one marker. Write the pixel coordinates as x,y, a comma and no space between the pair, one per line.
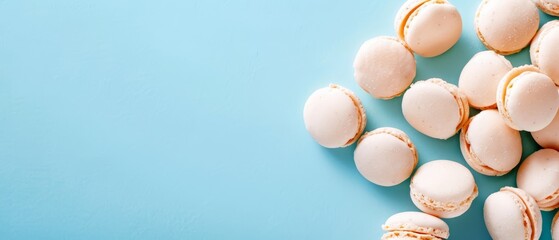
538,175
511,214
489,145
443,188
480,77
549,136
334,116
384,67
435,108
385,156
414,225
527,99
544,51
555,228
506,26
550,7
429,27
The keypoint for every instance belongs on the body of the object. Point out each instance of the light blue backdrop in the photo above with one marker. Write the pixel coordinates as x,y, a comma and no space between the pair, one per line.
183,120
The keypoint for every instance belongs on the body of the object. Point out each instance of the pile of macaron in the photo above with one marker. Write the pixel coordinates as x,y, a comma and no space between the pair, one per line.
510,99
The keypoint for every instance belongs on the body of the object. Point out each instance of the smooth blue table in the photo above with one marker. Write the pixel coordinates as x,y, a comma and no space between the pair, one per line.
183,120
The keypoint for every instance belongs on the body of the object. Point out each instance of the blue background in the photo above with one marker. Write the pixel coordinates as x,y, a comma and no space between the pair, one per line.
183,120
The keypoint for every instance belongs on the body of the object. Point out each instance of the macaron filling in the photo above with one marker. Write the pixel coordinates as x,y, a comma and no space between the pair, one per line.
361,116
442,206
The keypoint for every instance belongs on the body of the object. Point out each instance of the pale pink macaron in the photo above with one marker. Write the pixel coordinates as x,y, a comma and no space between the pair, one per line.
435,108
527,99
550,7
555,228
506,26
480,77
385,156
429,27
443,188
415,226
544,51
549,136
538,175
489,145
334,116
511,214
384,67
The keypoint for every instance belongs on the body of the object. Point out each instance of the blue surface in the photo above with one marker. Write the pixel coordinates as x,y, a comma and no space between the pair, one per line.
183,120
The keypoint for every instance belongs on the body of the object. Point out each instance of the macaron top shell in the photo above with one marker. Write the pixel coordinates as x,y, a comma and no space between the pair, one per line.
444,181
480,77
538,175
549,136
334,116
384,67
555,228
417,222
544,51
506,26
435,108
489,145
527,99
385,156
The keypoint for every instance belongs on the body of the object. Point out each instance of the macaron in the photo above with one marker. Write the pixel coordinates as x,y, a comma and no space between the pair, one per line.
480,77
544,51
549,136
435,108
415,225
443,188
527,99
512,214
384,67
489,145
538,175
334,116
385,156
429,27
506,26
550,7
555,228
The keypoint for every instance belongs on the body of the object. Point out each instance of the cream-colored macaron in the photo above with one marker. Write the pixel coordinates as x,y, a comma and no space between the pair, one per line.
435,108
384,67
506,26
385,156
549,136
538,175
527,99
443,188
334,116
489,145
480,77
512,214
415,226
555,228
544,50
429,27
550,7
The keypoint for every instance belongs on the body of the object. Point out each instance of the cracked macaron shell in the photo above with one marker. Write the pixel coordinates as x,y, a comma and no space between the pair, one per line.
511,214
334,116
489,145
506,26
443,188
416,222
544,50
538,175
527,99
435,108
384,67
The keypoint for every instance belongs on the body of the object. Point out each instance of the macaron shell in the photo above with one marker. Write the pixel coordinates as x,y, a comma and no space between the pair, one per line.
505,215
403,14
555,228
480,77
385,159
550,7
417,222
384,67
549,136
506,26
334,118
433,29
532,209
544,50
538,175
405,235
489,145
432,109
